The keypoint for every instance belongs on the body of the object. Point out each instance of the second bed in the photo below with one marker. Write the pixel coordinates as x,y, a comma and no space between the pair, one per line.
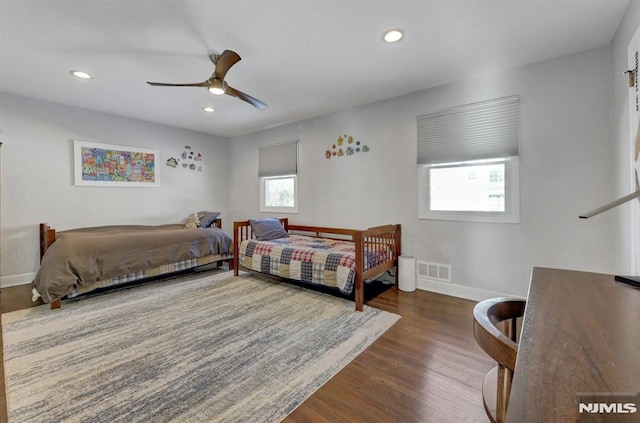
335,257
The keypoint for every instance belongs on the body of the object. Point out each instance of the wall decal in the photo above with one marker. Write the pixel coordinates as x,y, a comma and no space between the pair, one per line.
188,159
346,146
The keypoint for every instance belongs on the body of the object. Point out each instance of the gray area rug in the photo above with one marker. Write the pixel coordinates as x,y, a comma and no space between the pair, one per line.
191,349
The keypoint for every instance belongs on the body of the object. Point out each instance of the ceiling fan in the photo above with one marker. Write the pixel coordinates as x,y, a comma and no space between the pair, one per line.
216,84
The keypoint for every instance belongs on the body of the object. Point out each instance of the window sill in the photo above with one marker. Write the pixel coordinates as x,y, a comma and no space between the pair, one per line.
278,210
483,217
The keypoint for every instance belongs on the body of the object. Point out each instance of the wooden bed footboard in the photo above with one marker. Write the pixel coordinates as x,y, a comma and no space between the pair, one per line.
380,242
47,237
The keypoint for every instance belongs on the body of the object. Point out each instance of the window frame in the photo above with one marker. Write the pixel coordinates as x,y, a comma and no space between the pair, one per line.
511,194
270,209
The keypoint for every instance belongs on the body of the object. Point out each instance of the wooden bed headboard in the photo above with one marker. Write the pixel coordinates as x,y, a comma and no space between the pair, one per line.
242,229
48,236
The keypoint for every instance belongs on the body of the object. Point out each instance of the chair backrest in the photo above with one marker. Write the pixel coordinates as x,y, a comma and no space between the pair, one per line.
499,343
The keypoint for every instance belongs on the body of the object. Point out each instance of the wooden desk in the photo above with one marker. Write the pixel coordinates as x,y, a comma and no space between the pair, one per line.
581,333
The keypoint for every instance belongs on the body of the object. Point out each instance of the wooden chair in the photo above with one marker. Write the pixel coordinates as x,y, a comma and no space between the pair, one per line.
500,341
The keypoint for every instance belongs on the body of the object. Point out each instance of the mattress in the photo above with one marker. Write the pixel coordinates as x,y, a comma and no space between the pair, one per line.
319,261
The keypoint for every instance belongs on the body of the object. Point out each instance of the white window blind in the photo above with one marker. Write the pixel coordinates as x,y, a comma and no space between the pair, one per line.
278,159
484,130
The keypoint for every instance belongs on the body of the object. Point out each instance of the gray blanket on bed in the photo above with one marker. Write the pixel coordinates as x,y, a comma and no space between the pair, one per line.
84,256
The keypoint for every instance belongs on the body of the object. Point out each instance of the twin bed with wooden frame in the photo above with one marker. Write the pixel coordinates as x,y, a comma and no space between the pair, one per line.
86,259
350,255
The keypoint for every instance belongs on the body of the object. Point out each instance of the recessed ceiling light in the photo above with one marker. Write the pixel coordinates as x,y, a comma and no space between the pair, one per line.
393,35
208,109
80,74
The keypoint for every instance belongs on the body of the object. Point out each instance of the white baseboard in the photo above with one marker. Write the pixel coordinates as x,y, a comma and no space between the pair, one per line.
15,280
460,291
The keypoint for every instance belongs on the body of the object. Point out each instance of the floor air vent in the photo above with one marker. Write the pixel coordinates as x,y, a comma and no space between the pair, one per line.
436,271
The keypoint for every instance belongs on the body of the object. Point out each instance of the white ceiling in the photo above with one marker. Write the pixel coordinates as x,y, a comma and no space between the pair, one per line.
304,58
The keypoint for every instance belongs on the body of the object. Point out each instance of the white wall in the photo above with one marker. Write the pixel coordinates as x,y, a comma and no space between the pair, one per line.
37,177
622,144
566,168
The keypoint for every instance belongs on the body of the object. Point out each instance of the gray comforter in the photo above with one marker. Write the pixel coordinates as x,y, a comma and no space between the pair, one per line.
84,256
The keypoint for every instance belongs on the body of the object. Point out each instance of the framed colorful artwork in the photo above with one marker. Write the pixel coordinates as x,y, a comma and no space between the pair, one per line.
111,165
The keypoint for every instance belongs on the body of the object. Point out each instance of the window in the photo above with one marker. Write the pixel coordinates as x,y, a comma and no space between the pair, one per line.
278,174
469,164
278,194
478,191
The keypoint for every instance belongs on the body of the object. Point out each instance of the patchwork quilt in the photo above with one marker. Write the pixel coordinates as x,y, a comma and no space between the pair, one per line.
319,261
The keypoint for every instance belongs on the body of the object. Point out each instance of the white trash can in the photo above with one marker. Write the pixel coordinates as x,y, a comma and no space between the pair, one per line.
407,273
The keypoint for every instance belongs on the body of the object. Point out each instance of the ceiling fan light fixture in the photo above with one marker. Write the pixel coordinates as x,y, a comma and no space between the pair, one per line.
80,74
216,90
393,35
217,86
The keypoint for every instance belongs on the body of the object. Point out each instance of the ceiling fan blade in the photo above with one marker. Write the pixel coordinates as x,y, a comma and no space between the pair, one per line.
224,62
246,97
196,84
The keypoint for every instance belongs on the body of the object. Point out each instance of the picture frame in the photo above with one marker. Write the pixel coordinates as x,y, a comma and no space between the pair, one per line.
110,165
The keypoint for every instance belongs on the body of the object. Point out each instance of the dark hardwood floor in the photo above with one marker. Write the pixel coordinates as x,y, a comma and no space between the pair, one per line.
426,368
